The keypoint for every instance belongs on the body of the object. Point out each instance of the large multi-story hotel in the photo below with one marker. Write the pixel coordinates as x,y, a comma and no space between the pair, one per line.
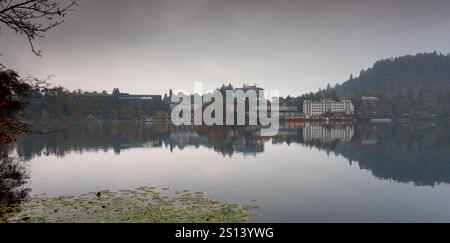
315,109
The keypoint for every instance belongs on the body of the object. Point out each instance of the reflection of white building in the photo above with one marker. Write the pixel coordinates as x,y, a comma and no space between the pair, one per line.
315,131
312,109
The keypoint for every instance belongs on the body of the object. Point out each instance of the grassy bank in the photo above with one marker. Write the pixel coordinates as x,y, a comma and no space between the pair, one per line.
144,204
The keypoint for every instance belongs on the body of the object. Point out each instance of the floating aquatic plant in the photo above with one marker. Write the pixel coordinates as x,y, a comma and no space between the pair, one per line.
144,204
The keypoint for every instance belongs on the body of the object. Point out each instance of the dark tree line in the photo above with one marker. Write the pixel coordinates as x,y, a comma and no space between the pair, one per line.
60,103
14,95
11,106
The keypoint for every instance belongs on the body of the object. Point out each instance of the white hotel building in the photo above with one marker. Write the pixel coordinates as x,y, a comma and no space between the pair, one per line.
316,109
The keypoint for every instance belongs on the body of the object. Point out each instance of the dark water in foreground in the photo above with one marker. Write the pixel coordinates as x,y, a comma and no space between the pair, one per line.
307,173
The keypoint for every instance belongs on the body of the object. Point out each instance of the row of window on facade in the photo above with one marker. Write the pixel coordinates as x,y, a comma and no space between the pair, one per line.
318,108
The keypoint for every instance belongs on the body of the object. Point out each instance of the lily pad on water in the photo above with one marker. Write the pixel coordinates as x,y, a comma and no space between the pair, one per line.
144,204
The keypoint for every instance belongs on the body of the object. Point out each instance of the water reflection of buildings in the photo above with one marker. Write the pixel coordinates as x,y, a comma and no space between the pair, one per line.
223,140
416,153
327,133
246,140
183,136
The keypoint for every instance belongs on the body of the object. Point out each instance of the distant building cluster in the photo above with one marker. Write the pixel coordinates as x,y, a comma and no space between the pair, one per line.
319,108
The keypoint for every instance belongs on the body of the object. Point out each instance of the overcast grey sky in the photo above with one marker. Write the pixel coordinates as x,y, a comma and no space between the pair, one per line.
292,46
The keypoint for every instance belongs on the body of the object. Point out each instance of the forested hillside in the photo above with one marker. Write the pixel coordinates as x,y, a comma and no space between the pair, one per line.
417,85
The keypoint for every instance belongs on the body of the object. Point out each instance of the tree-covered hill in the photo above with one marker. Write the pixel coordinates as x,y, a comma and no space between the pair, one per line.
417,85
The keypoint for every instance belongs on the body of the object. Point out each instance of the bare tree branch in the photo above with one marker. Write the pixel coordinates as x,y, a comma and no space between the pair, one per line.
33,18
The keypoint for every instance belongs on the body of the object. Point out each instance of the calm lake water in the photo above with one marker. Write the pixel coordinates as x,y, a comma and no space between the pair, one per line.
307,173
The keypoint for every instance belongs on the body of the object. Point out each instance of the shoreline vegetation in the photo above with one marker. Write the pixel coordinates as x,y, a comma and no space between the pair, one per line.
142,205
49,127
319,119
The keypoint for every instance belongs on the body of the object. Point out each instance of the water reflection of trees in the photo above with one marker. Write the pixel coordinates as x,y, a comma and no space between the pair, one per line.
418,153
102,136
92,136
